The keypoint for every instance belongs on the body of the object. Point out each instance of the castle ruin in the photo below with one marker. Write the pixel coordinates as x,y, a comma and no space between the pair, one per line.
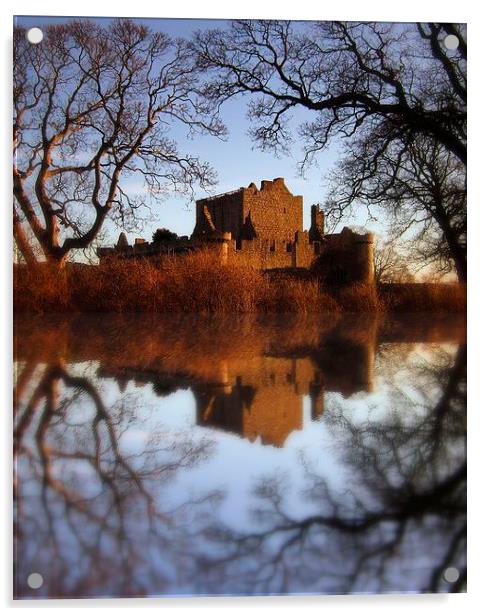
263,227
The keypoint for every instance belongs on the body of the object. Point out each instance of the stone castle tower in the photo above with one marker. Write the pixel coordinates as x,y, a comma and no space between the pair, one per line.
271,212
263,228
317,228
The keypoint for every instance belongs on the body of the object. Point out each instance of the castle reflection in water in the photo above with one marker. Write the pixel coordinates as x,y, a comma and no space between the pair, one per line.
262,397
127,493
248,375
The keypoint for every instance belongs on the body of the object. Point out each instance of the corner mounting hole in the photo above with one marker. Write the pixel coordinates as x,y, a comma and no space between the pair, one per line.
451,575
35,581
35,35
451,42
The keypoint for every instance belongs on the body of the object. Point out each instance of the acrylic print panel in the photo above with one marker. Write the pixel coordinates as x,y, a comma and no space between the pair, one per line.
239,307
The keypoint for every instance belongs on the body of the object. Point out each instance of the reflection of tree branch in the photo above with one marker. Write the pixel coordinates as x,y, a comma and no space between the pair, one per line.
406,486
29,411
88,506
103,516
457,546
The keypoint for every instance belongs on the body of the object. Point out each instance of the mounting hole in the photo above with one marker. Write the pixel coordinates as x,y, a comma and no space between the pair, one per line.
35,581
451,42
451,575
35,35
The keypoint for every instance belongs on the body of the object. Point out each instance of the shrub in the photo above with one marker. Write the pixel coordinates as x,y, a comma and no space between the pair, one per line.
163,235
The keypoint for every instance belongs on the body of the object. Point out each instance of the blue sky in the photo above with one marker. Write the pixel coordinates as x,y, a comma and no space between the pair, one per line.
236,160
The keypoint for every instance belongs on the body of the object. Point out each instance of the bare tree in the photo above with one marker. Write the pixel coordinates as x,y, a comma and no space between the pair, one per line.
350,75
389,264
418,186
94,105
393,92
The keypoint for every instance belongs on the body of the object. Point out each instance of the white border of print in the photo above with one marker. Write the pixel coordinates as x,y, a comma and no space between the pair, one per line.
412,10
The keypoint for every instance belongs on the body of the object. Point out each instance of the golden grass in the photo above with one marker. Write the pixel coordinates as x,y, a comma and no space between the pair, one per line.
192,283
424,297
360,297
197,282
43,289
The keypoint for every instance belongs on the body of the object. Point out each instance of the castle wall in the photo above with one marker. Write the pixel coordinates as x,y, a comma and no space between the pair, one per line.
268,254
347,257
263,228
226,212
275,212
303,251
264,254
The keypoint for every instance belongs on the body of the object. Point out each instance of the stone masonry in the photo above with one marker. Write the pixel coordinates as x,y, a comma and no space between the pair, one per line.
263,227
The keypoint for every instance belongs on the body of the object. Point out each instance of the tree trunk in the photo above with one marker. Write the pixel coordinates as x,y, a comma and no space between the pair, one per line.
458,252
23,243
461,267
58,261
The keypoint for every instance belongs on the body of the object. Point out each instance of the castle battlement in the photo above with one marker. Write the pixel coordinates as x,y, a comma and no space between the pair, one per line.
263,228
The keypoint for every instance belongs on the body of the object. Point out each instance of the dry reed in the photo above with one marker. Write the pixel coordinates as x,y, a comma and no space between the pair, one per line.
197,282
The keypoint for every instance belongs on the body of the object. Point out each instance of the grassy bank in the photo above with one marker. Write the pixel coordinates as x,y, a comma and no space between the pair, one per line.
198,283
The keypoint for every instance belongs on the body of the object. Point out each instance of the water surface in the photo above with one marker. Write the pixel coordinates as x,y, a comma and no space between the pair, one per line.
184,455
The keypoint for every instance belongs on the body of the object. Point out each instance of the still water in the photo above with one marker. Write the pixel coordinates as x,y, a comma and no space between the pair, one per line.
188,455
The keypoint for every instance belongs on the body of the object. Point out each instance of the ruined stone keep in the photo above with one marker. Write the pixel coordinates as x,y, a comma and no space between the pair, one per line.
263,227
